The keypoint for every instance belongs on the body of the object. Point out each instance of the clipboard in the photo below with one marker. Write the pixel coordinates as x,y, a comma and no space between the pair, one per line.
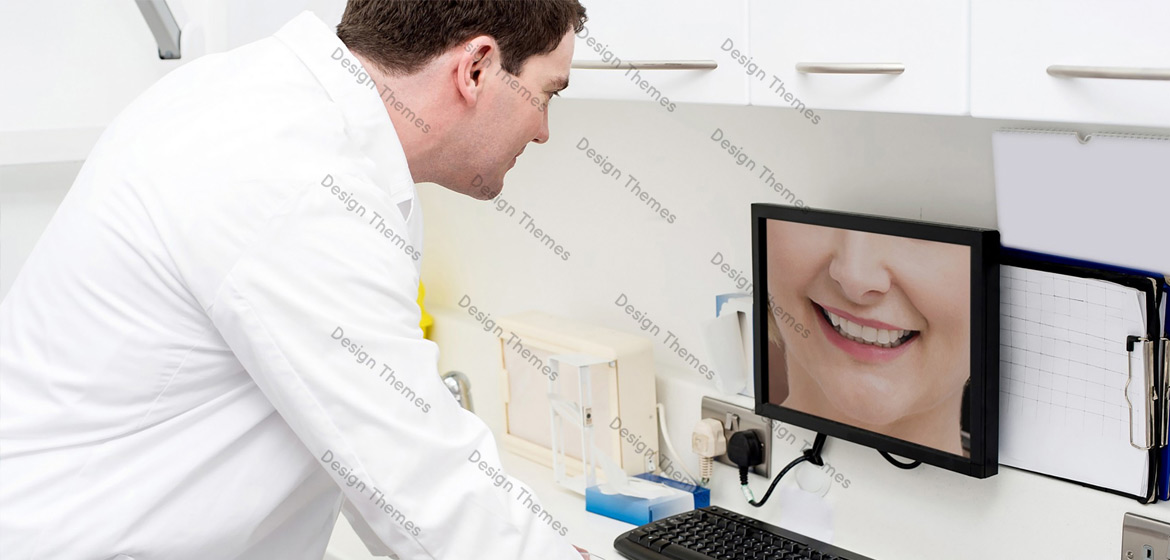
1146,430
1094,198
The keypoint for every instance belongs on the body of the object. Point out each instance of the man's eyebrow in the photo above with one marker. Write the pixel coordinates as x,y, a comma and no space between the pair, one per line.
558,83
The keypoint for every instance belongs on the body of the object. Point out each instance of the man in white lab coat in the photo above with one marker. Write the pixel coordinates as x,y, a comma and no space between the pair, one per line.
215,346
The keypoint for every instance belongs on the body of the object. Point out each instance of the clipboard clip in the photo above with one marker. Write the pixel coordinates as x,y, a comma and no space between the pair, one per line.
1153,439
1165,392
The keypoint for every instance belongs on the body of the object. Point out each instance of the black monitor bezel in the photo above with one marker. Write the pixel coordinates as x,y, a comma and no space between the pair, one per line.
984,389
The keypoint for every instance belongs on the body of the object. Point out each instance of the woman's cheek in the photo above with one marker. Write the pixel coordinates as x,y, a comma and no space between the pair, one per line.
942,297
954,344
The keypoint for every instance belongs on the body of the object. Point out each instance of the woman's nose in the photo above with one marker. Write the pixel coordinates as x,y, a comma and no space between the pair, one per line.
860,268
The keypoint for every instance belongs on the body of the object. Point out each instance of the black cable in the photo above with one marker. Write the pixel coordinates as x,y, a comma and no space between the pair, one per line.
775,481
899,464
812,455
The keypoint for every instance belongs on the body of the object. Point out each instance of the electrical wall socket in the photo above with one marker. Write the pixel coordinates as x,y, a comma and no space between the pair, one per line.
1143,538
727,413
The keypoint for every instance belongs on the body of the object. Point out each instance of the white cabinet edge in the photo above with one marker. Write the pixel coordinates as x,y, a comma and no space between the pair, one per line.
46,146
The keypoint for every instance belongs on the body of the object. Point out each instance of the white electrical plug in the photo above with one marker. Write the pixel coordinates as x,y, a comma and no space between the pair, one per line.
708,441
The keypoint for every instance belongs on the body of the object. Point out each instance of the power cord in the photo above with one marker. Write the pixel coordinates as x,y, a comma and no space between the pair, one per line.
899,464
670,447
746,450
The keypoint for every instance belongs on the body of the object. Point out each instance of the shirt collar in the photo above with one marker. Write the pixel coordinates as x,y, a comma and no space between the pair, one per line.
356,96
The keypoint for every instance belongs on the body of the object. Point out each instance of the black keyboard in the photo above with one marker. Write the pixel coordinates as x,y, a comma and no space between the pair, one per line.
714,533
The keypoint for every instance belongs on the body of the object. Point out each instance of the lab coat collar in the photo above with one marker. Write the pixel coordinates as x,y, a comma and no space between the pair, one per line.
367,122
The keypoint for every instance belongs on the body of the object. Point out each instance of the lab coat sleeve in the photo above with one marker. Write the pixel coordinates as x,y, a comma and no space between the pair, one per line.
321,310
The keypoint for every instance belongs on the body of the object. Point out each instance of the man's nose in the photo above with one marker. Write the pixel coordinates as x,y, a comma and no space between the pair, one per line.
542,135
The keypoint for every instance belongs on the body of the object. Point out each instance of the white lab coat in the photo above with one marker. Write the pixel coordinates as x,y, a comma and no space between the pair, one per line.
209,351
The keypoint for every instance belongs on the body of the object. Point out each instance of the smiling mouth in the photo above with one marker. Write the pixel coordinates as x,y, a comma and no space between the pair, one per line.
879,338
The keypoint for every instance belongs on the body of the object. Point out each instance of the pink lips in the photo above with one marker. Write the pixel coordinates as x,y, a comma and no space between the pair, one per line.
862,352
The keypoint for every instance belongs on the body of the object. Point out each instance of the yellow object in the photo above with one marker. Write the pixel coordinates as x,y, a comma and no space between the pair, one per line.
427,320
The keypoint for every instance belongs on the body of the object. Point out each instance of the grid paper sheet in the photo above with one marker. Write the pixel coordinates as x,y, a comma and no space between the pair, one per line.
1063,372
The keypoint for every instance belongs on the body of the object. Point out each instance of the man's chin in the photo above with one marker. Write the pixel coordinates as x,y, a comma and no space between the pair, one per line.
479,188
486,193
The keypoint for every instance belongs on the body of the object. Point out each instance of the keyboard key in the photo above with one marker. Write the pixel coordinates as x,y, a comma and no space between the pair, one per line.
657,544
680,553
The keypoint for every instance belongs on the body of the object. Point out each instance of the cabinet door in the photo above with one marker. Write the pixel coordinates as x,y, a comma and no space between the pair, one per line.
1017,47
907,56
644,32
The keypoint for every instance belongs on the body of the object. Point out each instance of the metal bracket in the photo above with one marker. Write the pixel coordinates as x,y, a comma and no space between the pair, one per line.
731,423
163,26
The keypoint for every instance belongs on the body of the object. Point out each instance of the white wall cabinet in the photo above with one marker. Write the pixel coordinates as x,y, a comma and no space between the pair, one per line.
927,39
232,23
661,30
71,67
1013,45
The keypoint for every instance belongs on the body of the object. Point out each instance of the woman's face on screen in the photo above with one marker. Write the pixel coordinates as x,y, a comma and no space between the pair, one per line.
890,319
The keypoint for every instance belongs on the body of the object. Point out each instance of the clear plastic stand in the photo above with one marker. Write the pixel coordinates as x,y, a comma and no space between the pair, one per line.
564,413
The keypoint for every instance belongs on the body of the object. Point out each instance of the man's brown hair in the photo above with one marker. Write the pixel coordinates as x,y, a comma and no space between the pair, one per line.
402,36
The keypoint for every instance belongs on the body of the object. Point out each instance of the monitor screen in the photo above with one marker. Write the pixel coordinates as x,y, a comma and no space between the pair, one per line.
879,331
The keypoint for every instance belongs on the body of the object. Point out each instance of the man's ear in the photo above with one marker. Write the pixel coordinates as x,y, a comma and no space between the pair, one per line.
477,62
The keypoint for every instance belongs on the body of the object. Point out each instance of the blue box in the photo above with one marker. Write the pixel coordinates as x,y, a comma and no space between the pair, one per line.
702,495
640,511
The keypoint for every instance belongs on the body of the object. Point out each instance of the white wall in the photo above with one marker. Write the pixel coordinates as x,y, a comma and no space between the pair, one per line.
935,168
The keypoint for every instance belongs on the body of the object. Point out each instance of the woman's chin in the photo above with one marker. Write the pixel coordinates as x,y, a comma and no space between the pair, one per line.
862,406
873,419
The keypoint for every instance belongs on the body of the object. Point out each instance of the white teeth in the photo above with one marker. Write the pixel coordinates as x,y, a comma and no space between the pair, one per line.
868,335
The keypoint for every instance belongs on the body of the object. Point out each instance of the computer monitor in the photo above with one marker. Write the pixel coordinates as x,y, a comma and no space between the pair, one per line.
879,331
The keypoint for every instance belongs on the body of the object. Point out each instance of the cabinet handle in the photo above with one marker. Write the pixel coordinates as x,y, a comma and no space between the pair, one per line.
1108,72
850,67
647,65
163,26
